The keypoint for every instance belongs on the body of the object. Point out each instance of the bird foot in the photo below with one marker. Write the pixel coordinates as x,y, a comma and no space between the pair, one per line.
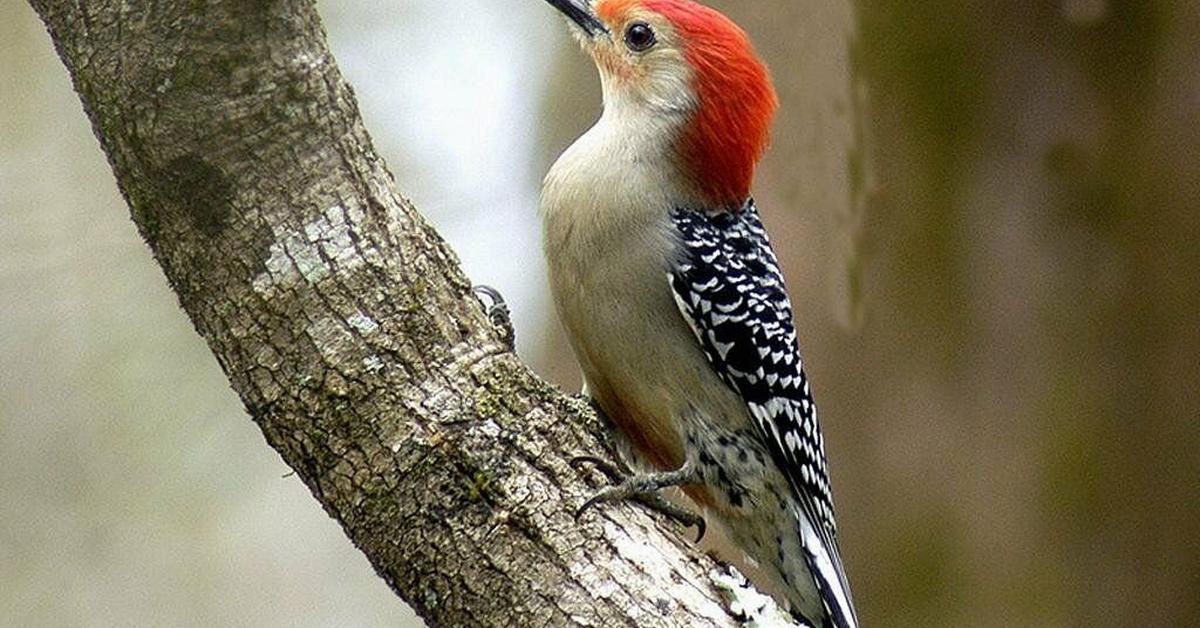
644,490
497,312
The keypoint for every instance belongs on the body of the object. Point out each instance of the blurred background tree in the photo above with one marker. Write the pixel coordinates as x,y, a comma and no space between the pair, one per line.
987,216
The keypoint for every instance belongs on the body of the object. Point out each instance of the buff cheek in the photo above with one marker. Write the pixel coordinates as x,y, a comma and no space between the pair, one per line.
615,64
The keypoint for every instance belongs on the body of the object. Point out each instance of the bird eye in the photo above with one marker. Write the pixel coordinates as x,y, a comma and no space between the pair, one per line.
640,37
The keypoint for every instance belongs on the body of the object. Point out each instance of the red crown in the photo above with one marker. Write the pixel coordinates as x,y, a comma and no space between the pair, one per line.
731,128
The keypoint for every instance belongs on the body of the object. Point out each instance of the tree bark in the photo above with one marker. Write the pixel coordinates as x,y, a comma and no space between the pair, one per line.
345,325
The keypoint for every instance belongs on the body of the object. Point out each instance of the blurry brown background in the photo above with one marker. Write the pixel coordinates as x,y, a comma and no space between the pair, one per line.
986,213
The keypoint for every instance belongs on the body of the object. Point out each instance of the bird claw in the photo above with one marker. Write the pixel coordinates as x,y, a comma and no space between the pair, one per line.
498,313
610,469
642,489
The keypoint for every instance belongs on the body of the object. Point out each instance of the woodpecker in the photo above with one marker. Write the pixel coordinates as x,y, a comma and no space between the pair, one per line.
665,280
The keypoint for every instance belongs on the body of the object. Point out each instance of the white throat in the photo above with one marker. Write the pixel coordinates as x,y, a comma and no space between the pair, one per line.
629,157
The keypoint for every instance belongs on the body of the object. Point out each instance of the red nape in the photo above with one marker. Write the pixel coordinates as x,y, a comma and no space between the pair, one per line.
731,128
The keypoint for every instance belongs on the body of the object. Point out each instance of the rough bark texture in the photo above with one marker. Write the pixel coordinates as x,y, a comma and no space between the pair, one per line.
345,325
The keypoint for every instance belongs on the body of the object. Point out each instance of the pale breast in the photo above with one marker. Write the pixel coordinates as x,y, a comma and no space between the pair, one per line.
609,252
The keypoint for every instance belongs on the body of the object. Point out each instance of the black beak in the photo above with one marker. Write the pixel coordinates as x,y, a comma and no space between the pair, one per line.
580,12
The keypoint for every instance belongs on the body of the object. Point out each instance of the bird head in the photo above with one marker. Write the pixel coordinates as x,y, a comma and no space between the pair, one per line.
680,73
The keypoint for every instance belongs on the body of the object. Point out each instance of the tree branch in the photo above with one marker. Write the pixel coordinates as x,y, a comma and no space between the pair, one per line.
345,325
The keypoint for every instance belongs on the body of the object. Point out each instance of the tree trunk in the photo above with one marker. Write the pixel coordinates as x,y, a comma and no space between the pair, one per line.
343,322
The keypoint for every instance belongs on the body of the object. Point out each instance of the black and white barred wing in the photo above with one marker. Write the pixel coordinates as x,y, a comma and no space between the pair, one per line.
730,290
729,287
